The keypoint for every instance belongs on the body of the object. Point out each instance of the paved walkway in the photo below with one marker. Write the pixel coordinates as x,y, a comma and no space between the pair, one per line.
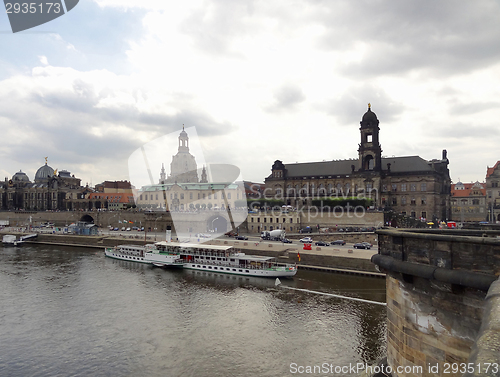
340,251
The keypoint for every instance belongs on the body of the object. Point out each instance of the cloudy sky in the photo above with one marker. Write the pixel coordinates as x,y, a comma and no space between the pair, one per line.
259,81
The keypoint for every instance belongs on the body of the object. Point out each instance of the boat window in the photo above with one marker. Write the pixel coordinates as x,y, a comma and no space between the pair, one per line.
228,269
204,266
247,271
209,267
215,268
198,266
232,260
234,269
240,270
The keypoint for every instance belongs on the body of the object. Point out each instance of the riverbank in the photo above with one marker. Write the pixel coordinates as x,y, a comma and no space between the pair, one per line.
341,259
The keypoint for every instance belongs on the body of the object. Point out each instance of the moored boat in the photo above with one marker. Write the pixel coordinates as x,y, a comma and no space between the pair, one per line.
160,256
155,254
132,253
228,260
10,239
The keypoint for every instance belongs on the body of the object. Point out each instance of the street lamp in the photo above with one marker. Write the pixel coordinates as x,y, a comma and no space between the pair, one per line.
155,225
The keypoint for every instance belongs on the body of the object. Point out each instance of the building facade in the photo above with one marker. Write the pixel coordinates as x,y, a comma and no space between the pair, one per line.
409,185
468,202
493,192
50,190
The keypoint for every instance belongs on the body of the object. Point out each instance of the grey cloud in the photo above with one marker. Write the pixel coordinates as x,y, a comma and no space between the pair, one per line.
444,37
457,131
286,98
352,104
472,107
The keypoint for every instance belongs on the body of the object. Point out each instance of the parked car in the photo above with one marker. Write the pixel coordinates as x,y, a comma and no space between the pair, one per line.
286,240
368,244
128,229
338,242
362,245
306,240
115,229
244,238
321,243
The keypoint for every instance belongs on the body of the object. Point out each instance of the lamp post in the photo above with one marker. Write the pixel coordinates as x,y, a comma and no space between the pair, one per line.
155,225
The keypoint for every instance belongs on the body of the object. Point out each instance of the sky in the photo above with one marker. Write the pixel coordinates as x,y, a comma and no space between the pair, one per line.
258,80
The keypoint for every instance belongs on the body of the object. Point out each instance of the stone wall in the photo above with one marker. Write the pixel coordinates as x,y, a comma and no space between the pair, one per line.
436,286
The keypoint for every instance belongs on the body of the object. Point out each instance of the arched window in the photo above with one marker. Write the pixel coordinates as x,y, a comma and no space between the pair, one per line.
321,190
369,162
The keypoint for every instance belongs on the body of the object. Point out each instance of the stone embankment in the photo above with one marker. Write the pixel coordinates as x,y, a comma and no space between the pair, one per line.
341,259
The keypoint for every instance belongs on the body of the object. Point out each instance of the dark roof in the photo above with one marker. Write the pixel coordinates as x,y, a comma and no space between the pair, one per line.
343,167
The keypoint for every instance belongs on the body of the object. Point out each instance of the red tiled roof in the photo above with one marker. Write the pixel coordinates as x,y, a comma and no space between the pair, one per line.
490,171
467,191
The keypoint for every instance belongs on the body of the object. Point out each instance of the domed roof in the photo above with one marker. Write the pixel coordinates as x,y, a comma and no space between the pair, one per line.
370,116
44,173
20,176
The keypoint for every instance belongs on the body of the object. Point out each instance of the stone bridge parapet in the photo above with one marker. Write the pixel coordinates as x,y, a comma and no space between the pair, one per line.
437,282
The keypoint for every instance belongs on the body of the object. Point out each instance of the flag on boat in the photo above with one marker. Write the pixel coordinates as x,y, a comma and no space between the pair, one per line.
298,256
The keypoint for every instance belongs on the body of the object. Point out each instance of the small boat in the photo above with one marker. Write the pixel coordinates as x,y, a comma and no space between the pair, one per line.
10,239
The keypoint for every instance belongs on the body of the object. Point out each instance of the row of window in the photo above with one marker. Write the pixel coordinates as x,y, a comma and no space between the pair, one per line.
39,195
307,188
271,220
176,196
404,187
475,202
414,214
404,201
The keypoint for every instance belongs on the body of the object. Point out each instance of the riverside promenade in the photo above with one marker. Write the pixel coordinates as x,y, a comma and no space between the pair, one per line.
338,259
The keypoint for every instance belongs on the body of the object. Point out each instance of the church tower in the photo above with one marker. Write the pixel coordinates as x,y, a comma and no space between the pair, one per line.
163,175
183,166
370,152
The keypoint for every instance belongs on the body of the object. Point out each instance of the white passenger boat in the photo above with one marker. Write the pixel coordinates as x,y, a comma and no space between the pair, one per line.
228,260
155,254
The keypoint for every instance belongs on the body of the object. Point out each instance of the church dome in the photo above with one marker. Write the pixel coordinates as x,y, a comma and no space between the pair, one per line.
20,177
183,133
370,116
44,173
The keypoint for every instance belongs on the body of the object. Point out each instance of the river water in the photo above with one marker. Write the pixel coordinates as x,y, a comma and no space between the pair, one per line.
72,312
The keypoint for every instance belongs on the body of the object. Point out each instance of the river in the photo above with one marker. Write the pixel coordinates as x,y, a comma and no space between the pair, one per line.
72,312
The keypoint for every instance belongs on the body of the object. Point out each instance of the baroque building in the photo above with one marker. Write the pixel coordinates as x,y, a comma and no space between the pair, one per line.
50,190
409,185
183,190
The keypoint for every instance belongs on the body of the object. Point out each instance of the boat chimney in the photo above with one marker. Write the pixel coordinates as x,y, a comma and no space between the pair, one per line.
168,235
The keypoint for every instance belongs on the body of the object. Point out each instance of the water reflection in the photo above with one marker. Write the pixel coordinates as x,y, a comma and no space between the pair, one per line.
73,311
